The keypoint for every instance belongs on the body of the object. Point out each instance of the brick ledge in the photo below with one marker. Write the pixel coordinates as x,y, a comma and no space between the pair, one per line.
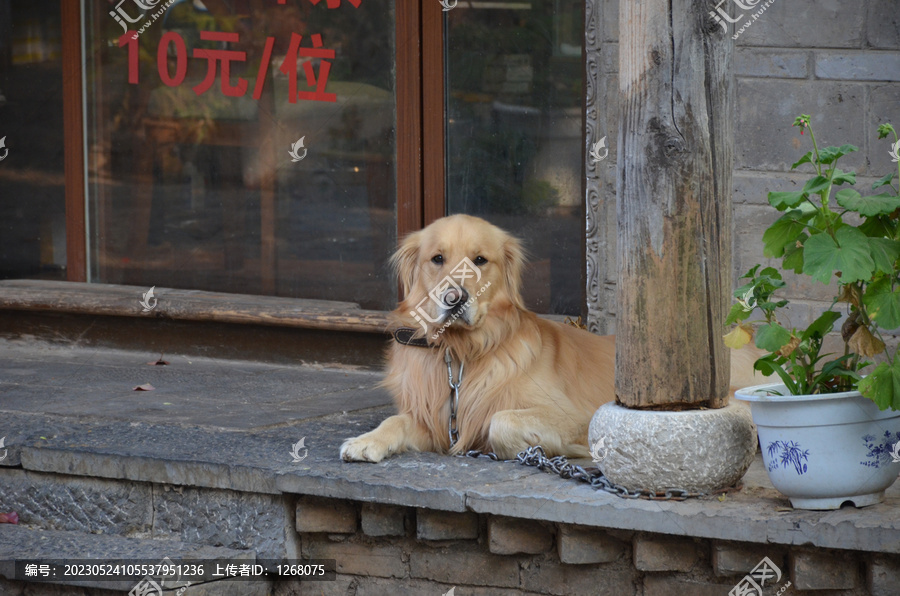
259,461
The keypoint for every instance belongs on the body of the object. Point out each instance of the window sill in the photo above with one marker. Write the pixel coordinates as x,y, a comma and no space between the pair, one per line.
188,305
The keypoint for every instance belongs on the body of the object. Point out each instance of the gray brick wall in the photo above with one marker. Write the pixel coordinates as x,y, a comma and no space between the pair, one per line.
838,61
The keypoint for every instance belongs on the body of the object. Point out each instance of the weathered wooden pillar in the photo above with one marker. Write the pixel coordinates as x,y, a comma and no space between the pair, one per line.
673,204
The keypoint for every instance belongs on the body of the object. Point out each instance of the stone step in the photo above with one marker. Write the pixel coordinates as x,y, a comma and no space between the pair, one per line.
18,543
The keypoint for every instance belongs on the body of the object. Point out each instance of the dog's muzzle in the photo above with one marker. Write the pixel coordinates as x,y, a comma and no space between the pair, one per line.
455,298
455,304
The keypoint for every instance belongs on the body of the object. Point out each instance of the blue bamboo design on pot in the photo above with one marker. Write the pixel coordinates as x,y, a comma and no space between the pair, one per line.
790,453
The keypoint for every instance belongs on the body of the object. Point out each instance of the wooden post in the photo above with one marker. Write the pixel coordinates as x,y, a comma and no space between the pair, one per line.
673,205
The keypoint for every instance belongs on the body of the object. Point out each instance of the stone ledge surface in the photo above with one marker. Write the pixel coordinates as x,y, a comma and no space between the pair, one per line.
184,449
261,462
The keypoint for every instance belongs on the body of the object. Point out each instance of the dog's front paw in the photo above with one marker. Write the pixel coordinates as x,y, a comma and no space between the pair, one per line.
364,448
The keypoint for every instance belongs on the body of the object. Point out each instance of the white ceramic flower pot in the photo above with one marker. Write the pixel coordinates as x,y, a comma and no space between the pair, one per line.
824,450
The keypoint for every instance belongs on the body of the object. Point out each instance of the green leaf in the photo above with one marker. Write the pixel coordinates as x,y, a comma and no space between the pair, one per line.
771,337
738,313
816,184
848,253
840,177
883,303
885,253
786,230
805,159
829,154
771,274
870,206
783,200
769,364
752,272
878,227
835,368
882,181
793,255
821,326
883,385
826,219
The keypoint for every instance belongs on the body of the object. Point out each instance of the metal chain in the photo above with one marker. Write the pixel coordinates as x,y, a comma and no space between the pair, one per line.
475,454
534,456
454,397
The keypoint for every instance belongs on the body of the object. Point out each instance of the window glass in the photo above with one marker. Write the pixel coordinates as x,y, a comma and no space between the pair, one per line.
244,146
514,134
32,185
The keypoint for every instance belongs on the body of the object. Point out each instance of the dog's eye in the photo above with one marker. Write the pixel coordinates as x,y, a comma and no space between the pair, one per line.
480,260
437,259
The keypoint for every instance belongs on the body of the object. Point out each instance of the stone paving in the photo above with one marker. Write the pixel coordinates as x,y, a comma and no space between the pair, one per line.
232,425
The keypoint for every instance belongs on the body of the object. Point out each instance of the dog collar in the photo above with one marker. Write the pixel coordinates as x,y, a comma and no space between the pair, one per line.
404,335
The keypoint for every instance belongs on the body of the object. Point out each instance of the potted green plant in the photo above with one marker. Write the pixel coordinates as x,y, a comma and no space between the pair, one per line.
830,430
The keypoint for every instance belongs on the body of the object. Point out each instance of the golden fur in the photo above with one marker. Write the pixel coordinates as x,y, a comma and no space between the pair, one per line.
527,381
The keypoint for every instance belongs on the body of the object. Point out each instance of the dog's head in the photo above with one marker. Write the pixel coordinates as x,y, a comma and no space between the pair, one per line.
456,271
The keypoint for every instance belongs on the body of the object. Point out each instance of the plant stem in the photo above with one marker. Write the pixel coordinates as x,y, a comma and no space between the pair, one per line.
815,148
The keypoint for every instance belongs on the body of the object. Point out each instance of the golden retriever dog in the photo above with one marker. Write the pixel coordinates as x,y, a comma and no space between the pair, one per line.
525,380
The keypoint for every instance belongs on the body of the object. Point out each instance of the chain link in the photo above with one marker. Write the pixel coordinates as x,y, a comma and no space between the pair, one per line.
534,456
454,397
559,465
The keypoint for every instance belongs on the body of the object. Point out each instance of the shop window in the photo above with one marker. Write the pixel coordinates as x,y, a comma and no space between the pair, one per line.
244,146
251,146
514,96
32,184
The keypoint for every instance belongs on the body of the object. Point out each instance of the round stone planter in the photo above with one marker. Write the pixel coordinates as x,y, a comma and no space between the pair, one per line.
822,451
695,450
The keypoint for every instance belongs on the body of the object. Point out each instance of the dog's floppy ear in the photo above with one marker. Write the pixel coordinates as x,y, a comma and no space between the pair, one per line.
514,255
405,261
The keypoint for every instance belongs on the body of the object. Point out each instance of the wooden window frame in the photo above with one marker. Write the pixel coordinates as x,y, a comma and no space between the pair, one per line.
73,141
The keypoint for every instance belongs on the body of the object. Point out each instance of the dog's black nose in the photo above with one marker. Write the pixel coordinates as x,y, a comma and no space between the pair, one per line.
455,297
